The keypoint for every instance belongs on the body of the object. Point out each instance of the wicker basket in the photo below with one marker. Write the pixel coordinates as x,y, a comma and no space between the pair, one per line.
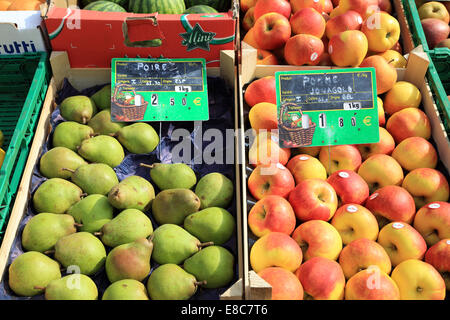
300,136
129,112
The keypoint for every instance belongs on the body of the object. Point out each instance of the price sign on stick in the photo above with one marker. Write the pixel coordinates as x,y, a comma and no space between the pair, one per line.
327,107
159,90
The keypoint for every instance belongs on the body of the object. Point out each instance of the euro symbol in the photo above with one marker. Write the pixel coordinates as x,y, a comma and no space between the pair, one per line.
197,101
367,120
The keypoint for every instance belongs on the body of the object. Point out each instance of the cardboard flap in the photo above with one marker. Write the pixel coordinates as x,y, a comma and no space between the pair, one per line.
143,28
417,66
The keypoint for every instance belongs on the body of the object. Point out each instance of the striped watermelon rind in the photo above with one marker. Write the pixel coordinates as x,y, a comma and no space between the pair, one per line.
219,5
153,6
122,3
200,9
105,6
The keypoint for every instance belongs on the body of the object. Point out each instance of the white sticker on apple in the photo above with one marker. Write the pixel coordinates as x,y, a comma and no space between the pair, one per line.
314,56
343,175
373,196
398,225
360,20
303,158
280,166
352,209
434,206
448,242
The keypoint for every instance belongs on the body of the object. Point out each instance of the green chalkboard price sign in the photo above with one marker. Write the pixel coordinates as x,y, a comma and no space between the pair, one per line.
159,90
327,107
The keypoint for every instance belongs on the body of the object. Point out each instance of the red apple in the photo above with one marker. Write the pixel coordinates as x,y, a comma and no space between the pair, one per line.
385,5
391,203
308,21
350,20
435,10
249,19
313,199
349,187
318,5
266,6
247,4
435,31
322,279
271,214
280,182
385,146
261,90
348,48
371,284
304,167
285,285
386,74
328,6
265,57
303,49
318,238
271,31
342,157
433,221
439,257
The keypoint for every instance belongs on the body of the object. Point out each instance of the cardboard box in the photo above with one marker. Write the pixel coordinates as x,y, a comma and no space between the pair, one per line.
256,288
22,32
82,78
92,38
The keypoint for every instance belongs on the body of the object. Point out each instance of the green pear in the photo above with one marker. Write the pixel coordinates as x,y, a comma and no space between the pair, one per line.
95,178
173,244
126,227
102,149
127,289
174,205
70,134
214,190
56,195
213,264
172,176
211,224
43,230
83,250
72,287
92,212
138,137
133,192
78,108
171,282
102,98
54,161
129,261
31,272
101,123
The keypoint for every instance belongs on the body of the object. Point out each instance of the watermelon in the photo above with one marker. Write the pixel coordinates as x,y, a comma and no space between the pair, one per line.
219,5
201,9
105,6
122,3
152,6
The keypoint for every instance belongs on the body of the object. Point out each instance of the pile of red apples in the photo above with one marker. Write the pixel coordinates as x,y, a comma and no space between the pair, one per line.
321,32
367,222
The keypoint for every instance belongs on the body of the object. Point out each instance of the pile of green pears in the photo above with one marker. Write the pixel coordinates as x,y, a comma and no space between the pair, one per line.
87,222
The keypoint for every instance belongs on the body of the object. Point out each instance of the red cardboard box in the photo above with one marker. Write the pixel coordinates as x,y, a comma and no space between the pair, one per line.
93,38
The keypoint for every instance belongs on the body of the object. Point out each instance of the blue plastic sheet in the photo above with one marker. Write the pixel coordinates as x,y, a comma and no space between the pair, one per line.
221,109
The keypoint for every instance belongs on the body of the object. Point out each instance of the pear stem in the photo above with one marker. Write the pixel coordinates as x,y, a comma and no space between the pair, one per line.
94,134
113,135
83,195
200,283
151,166
48,252
84,120
78,224
205,244
67,169
150,239
98,234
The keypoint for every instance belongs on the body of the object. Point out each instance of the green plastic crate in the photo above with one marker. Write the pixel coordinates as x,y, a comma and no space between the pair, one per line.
23,85
439,79
412,15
